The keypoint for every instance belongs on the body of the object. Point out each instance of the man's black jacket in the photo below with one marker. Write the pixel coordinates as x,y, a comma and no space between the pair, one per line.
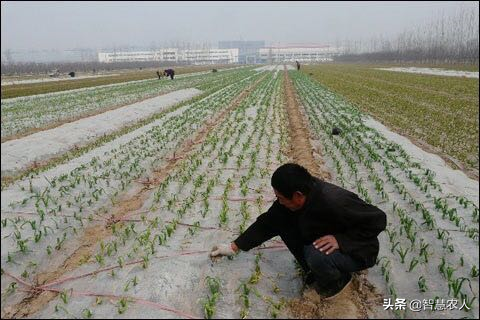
328,210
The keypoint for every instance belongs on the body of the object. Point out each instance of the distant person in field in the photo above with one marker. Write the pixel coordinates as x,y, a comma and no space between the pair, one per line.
298,65
169,73
329,230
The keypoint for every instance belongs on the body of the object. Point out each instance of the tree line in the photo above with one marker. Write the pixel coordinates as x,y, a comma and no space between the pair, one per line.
447,39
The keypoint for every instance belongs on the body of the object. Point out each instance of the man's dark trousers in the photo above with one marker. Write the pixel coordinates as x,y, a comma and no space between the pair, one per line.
328,269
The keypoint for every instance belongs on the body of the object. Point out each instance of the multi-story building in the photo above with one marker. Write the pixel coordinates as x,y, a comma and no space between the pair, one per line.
301,53
209,56
193,56
248,51
245,52
126,56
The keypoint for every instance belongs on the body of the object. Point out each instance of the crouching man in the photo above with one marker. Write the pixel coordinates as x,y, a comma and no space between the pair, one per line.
329,230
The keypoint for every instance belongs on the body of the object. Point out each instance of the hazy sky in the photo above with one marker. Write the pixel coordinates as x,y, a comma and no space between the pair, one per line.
68,25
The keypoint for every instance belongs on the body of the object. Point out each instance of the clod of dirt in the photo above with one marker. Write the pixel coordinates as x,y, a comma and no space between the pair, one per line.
309,306
336,131
358,301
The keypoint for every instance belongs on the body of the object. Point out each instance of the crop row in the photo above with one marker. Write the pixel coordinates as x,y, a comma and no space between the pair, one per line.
238,153
196,188
382,173
442,111
20,115
58,202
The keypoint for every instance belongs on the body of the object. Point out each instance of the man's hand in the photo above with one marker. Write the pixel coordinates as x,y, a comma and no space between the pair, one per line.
326,244
224,250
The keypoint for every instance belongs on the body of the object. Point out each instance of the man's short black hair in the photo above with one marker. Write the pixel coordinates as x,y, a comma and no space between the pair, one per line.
292,177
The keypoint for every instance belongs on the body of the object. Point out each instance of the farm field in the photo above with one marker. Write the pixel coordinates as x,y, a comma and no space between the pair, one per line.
458,67
21,153
434,71
107,113
25,80
124,228
24,115
439,113
27,89
67,148
432,228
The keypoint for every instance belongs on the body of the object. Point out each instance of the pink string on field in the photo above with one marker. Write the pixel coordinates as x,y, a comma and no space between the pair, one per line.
245,199
17,278
200,227
112,296
116,267
279,246
87,274
141,301
179,223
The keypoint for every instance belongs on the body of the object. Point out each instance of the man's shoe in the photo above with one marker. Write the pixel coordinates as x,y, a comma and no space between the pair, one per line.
335,290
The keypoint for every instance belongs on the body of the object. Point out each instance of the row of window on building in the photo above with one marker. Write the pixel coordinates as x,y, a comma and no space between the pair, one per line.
227,56
173,55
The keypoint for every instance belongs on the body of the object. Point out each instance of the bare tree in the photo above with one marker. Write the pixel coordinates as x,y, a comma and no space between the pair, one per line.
450,39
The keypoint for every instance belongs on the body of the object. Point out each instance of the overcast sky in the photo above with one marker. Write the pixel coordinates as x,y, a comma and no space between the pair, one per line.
68,25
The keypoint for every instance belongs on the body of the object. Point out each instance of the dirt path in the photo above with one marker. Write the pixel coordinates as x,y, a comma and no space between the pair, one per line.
359,300
301,151
129,203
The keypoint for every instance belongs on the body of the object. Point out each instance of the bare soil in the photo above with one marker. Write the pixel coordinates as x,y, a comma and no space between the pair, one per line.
301,150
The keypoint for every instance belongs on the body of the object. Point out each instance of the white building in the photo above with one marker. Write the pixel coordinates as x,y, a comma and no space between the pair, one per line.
301,53
208,56
158,55
196,56
126,56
